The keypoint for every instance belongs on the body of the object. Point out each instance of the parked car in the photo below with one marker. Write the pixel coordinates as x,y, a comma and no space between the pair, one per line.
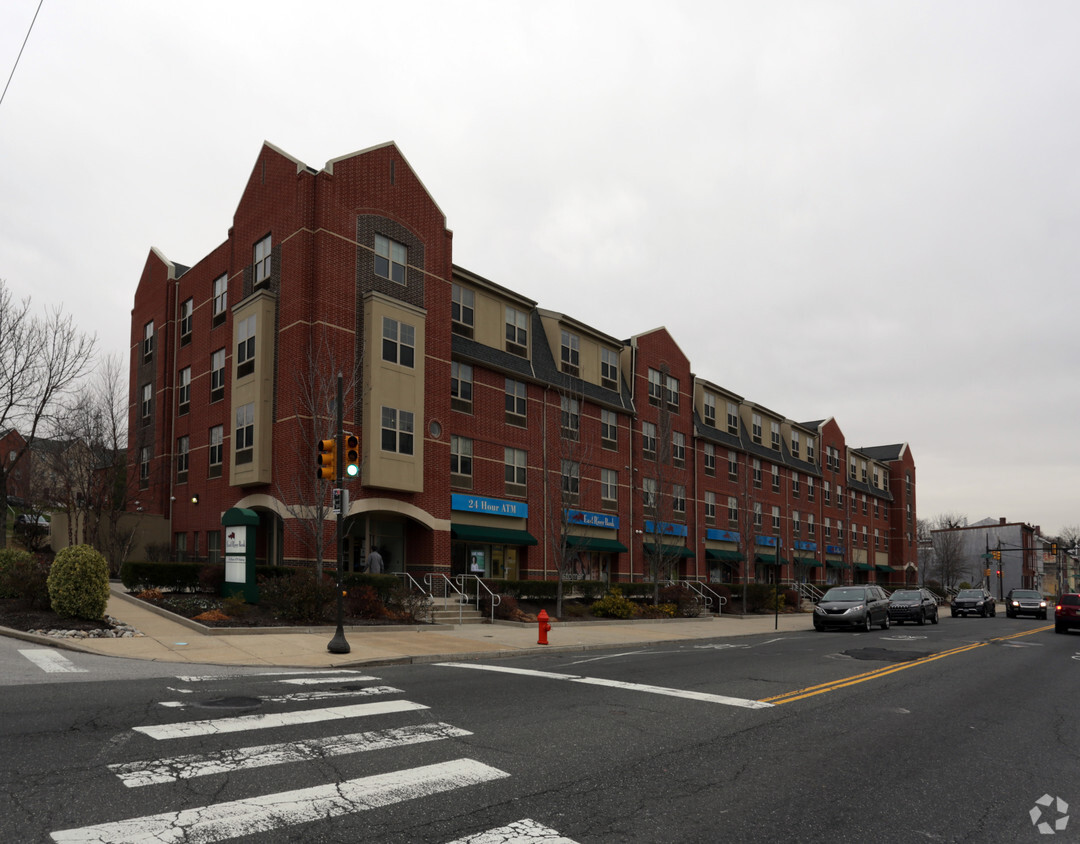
916,605
1025,602
852,606
974,602
1066,613
25,523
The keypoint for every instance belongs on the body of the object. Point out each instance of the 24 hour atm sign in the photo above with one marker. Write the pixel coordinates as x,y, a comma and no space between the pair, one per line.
490,506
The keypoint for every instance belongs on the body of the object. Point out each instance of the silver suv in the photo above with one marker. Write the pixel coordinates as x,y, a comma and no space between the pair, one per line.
860,607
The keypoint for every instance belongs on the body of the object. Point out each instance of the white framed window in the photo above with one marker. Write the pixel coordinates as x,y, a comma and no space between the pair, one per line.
877,538
678,498
186,309
517,332
733,510
710,459
678,446
810,449
462,309
710,506
183,445
795,484
809,487
571,417
649,493
571,477
776,521
461,386
245,433
775,478
461,456
732,465
757,514
757,473
609,428
795,444
862,470
709,410
864,503
148,340
147,405
648,438
774,433
515,459
826,492
828,528
732,418
261,260
609,368
217,436
398,342
656,386
811,530
217,375
609,487
144,466
852,469
516,393
570,352
184,390
756,429
796,525
245,346
671,391
221,298
391,258
397,430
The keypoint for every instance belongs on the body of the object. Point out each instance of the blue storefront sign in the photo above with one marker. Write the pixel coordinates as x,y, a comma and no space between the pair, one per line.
667,528
587,519
722,535
802,545
834,549
765,540
490,506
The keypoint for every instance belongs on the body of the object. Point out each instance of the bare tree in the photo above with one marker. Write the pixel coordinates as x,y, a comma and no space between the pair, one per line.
314,418
949,560
660,506
41,359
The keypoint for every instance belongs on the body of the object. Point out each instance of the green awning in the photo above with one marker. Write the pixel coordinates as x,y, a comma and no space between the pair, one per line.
724,556
835,564
883,567
864,566
591,543
809,562
769,559
500,536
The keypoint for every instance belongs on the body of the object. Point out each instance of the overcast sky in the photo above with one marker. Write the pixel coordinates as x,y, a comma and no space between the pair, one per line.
864,210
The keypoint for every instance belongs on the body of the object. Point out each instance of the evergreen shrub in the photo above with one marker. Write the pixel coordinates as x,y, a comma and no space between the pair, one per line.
78,583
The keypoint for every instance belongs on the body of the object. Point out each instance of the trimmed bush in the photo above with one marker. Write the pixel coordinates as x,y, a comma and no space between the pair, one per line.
10,557
78,583
682,600
614,605
24,577
297,596
168,577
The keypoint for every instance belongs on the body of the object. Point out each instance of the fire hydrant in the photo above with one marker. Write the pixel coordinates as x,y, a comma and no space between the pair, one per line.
542,618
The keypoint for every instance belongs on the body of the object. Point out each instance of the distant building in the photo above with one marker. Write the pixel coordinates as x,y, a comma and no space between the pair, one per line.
491,429
1002,555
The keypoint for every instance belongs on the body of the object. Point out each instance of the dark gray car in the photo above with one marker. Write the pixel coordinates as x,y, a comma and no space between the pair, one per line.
860,607
1025,602
974,602
916,605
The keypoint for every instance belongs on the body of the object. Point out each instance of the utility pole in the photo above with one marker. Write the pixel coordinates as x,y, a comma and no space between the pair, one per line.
338,645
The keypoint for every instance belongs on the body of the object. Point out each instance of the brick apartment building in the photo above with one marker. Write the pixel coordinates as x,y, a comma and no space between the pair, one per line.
495,434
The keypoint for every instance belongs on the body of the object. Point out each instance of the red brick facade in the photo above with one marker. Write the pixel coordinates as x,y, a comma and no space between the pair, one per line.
528,428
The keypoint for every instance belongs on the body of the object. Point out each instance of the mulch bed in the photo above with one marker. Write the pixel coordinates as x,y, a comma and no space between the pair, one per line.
15,615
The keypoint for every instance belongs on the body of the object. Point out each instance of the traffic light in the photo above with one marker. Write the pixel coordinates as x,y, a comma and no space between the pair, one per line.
352,456
327,460
997,556
1053,548
999,572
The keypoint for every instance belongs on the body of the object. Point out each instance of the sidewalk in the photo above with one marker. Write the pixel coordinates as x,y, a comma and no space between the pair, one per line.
167,639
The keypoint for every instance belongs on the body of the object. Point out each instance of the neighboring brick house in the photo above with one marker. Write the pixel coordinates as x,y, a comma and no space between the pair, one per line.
495,434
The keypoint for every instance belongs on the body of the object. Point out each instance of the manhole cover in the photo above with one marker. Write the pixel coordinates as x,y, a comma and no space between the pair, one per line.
884,655
230,703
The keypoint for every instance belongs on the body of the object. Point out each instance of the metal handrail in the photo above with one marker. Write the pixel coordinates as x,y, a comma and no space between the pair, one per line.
701,588
411,581
808,591
431,578
495,599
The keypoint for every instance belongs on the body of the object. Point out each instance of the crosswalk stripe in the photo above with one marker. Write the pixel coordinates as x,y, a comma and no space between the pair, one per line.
52,661
525,831
206,678
307,697
235,818
312,681
262,721
616,684
136,774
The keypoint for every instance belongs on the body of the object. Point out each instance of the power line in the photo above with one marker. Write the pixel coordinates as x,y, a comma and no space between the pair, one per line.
23,47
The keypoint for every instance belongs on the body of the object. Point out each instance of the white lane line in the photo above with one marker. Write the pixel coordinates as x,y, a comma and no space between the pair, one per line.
222,821
239,723
306,697
525,831
52,661
136,774
606,656
203,678
617,684
312,681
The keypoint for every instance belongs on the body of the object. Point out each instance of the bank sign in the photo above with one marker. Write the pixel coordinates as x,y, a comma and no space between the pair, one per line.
587,519
489,506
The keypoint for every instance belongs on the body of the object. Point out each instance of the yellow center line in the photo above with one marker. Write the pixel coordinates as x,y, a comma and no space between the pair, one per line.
810,691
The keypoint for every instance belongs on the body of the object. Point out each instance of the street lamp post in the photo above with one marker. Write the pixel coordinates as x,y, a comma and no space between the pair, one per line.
338,645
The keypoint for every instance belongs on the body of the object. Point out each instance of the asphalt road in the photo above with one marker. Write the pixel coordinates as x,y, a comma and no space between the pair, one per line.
941,733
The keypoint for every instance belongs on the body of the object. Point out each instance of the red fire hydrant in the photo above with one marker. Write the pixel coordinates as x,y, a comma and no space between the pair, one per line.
542,619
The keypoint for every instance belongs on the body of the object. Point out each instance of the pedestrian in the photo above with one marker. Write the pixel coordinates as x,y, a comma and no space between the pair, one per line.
374,561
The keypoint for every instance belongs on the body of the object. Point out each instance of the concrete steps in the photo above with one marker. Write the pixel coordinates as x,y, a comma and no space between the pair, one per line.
449,611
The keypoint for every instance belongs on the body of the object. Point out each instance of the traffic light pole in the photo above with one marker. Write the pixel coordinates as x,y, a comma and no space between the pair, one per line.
338,645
